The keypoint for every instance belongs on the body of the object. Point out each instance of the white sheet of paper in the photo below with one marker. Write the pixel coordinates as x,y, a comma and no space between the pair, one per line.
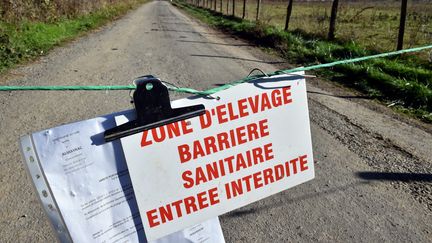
195,171
90,182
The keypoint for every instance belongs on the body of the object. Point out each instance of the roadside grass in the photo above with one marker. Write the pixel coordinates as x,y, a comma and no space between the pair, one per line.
25,40
404,82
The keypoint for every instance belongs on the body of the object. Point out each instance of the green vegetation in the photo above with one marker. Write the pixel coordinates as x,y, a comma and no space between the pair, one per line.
402,80
23,38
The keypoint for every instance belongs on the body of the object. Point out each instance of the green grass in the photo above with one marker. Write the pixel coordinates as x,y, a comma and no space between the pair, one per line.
373,24
28,39
403,80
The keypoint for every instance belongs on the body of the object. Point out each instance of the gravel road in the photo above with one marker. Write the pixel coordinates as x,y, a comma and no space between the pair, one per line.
373,168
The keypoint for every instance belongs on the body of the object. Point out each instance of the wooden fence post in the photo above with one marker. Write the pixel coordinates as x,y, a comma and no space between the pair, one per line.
288,16
402,25
332,28
227,7
244,9
258,10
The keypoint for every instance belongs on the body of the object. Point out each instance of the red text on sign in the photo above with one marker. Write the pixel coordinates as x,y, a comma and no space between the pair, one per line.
267,176
182,207
227,165
246,106
160,134
224,140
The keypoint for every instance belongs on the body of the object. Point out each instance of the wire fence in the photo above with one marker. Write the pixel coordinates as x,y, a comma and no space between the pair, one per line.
380,25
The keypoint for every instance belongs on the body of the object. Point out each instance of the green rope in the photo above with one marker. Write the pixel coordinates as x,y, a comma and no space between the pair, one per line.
223,87
58,88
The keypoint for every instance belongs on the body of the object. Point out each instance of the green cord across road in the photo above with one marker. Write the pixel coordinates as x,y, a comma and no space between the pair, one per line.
214,90
62,88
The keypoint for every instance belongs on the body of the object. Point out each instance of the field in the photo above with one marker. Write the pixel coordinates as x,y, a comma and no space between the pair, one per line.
373,24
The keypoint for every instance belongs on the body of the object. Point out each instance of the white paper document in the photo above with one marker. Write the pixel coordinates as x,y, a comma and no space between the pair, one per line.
84,185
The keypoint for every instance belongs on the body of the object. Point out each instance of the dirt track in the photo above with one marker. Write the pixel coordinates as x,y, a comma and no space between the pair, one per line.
373,169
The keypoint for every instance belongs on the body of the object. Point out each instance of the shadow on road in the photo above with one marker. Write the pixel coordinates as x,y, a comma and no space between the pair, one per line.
174,23
236,58
286,200
214,43
367,97
189,31
395,176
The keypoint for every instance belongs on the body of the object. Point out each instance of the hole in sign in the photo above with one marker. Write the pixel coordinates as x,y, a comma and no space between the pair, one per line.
149,86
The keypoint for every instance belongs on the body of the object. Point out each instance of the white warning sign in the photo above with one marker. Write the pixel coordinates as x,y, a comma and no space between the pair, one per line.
251,143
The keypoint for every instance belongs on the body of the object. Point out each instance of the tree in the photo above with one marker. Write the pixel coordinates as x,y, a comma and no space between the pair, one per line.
233,7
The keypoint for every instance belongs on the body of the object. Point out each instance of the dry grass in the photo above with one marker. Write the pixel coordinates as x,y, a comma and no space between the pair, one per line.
13,11
373,24
31,28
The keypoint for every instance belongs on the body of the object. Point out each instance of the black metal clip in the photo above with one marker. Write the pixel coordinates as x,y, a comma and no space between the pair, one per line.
153,109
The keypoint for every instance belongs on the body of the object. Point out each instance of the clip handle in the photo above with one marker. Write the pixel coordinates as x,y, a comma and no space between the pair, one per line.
153,109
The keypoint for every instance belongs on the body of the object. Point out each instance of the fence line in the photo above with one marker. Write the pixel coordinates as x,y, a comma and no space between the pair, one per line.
332,31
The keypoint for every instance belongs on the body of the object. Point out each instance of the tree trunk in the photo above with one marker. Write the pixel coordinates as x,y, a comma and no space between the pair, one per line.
402,25
233,7
221,3
332,28
288,16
